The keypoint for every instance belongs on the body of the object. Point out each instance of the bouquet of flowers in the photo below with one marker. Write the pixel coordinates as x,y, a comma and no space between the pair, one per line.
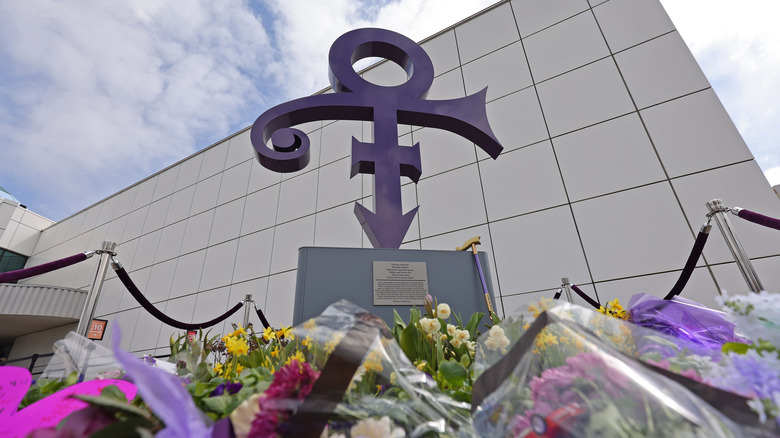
574,372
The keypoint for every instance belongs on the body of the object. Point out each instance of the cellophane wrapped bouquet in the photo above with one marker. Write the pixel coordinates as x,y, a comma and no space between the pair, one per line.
735,349
574,372
351,380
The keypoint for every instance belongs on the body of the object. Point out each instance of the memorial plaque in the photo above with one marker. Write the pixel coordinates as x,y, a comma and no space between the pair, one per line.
326,275
400,283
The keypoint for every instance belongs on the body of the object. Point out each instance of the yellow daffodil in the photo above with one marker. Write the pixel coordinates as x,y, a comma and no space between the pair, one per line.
285,332
269,334
238,332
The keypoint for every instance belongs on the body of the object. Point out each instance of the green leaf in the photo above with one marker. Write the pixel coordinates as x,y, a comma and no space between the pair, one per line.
453,372
408,341
72,378
115,405
465,360
397,320
735,347
473,322
132,427
217,404
113,392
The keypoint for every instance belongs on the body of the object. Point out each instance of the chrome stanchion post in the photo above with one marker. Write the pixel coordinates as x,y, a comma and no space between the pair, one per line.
247,301
97,284
717,212
566,285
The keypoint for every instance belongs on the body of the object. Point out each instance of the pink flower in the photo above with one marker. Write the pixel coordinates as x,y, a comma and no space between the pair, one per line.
292,383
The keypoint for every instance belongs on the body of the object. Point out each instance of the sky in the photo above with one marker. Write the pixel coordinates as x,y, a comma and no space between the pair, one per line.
95,99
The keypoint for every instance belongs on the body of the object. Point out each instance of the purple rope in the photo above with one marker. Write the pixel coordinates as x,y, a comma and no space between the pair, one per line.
131,287
685,275
11,276
585,296
759,219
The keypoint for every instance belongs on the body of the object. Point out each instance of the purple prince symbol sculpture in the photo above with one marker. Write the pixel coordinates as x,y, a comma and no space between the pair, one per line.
357,99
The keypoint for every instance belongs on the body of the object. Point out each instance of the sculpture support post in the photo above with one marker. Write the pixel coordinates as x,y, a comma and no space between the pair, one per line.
717,212
97,284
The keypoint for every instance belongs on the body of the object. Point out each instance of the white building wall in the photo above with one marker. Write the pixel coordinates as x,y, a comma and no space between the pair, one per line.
20,228
613,138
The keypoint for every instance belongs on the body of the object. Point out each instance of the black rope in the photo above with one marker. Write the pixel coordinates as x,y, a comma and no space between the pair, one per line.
262,317
685,275
131,287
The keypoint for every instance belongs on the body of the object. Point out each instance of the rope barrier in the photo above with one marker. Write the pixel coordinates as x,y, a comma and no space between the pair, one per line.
685,275
757,218
262,317
585,296
19,274
131,287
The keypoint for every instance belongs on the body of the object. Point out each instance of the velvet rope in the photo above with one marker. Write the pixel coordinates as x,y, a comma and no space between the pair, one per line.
760,219
262,317
10,276
585,296
685,275
131,287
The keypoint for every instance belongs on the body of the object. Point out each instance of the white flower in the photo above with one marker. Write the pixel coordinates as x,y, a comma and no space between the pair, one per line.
443,311
456,343
471,346
496,339
371,428
430,325
463,335
451,329
244,414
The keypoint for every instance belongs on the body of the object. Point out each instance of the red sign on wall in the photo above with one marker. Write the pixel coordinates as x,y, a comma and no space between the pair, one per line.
96,329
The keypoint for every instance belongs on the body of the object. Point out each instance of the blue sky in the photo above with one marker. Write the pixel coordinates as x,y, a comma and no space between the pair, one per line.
93,100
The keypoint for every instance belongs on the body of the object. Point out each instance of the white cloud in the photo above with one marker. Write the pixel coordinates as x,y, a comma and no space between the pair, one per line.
304,39
108,94
736,45
95,98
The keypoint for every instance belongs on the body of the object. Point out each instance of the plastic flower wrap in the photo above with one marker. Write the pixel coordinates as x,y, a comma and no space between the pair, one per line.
706,328
757,316
574,372
351,380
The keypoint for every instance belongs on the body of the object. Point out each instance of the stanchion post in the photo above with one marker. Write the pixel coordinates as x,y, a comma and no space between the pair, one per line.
566,285
247,301
717,212
97,284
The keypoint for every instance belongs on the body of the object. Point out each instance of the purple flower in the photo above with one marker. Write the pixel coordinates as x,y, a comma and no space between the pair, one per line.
165,395
229,387
149,360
